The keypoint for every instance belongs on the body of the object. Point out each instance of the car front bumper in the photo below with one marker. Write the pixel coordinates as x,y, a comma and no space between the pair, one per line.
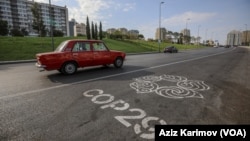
40,66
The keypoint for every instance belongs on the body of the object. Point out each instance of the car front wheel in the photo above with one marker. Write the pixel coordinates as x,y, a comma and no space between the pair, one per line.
118,62
69,68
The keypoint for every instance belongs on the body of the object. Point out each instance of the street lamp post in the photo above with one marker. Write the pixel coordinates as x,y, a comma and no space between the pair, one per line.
186,32
198,39
51,27
159,41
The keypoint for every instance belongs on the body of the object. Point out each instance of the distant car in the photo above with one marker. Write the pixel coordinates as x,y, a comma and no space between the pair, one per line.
170,49
73,54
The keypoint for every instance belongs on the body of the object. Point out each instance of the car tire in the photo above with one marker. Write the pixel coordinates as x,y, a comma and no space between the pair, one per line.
59,70
118,62
69,68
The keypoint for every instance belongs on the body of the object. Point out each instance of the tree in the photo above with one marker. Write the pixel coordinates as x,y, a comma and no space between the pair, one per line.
176,35
92,30
96,32
198,39
187,39
118,35
141,36
193,39
16,32
24,32
38,20
180,41
170,32
100,31
57,33
88,28
4,28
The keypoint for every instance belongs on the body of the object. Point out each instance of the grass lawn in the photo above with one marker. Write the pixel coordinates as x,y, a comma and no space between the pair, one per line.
24,48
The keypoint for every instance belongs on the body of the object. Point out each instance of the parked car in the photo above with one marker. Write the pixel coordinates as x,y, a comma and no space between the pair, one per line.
73,54
170,49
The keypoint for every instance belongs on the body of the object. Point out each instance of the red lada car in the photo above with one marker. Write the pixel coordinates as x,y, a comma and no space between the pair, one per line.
73,54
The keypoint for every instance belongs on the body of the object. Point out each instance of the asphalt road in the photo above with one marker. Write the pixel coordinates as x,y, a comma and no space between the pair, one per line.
205,86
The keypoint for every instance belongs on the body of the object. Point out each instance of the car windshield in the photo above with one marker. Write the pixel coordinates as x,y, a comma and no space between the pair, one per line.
61,46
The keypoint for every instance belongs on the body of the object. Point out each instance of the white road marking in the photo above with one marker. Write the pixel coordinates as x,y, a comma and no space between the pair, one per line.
184,88
108,76
134,113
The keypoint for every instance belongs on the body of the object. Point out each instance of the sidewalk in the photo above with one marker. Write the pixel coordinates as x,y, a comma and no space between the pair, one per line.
34,60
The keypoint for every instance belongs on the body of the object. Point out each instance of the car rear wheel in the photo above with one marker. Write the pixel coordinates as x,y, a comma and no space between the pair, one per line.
69,68
118,62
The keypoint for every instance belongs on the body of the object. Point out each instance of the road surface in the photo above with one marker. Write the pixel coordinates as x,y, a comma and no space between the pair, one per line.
204,86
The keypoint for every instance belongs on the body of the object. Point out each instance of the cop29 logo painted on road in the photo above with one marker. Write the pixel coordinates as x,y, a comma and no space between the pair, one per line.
182,88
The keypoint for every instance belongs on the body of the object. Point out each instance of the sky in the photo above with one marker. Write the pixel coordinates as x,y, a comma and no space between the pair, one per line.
210,19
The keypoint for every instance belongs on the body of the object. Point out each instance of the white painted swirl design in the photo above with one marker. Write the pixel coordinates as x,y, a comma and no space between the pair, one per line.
149,78
193,85
177,92
173,78
144,86
183,88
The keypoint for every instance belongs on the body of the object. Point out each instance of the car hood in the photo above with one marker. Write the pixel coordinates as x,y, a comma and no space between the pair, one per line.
115,51
118,52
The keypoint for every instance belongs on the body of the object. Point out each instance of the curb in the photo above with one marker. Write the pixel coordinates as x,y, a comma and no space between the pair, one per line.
17,62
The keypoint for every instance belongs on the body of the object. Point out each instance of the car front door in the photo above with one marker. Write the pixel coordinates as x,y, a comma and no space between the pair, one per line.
82,53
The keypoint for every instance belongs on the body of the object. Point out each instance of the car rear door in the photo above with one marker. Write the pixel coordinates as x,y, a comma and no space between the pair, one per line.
81,52
101,54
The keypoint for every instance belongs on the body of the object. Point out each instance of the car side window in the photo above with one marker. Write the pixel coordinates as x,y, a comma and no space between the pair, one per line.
81,46
99,47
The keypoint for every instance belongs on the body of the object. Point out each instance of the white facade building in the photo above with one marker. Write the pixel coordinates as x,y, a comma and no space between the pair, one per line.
234,38
19,16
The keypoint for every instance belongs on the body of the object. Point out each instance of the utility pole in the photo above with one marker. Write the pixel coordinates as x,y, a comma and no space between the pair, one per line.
206,37
186,33
51,27
159,41
198,38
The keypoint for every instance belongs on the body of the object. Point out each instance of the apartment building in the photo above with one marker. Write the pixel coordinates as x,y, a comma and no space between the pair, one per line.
76,29
133,32
81,29
15,13
19,16
246,38
186,32
186,35
111,30
72,28
163,34
234,38
123,31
